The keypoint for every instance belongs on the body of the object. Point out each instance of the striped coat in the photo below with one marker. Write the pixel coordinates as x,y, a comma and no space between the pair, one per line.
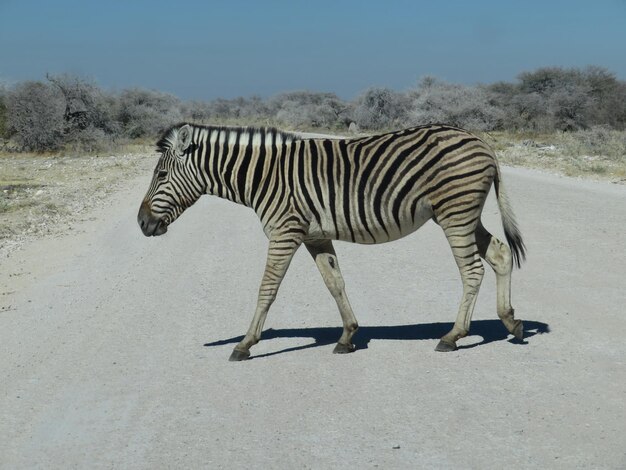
365,190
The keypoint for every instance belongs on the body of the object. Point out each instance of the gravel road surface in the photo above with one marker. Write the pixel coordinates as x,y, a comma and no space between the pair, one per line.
114,347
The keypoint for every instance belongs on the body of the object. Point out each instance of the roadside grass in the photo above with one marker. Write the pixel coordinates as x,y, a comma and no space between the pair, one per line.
46,194
121,148
596,153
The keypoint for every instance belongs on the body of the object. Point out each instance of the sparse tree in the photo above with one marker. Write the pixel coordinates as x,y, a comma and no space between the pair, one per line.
572,98
221,109
554,98
381,108
618,107
609,98
546,80
36,116
145,113
88,114
473,108
252,109
71,110
3,113
308,109
569,107
197,111
528,112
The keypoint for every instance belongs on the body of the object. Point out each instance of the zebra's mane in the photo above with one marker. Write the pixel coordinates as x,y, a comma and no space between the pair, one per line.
169,137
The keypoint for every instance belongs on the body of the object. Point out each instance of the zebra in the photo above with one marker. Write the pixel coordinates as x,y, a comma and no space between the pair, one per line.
371,189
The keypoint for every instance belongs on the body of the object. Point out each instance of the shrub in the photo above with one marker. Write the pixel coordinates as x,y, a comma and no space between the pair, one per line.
609,98
4,134
196,111
35,116
547,80
469,107
74,111
555,98
145,113
308,109
596,141
569,106
241,110
381,108
89,121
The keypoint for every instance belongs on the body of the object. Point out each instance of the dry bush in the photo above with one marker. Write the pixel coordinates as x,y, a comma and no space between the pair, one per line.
74,112
305,109
35,119
4,133
558,99
67,111
145,113
434,101
597,141
89,114
381,108
196,111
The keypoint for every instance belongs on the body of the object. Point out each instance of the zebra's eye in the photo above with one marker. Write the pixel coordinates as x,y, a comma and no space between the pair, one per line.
161,174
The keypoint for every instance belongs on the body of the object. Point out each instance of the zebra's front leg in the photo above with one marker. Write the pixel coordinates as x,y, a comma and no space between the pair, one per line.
325,258
281,250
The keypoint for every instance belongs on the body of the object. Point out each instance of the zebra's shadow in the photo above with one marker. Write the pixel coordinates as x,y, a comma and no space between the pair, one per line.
489,330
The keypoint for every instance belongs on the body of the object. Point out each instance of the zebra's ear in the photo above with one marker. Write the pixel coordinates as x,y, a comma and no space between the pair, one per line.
184,139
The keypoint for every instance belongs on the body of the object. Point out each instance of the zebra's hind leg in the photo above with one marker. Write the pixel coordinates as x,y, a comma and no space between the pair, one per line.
324,255
283,246
471,268
498,255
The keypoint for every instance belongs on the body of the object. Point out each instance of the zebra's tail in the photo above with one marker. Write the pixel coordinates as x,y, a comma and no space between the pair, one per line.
511,230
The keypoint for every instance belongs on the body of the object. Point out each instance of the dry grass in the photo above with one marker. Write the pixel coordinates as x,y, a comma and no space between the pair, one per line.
596,153
46,194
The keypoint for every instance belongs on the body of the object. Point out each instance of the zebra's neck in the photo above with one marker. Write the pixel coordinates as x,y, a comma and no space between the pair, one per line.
237,162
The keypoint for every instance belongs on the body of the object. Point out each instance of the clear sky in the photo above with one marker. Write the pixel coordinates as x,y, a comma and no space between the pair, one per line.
208,49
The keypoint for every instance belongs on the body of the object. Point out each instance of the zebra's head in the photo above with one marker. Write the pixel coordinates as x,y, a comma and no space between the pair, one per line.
175,185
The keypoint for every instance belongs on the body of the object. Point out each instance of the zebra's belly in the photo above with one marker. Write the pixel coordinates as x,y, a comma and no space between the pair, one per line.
372,231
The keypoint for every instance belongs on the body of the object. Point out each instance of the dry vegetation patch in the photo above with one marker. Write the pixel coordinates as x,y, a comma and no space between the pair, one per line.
597,153
41,195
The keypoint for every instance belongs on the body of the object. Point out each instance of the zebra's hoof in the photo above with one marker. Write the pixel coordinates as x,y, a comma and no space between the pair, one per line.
518,330
238,355
445,346
341,348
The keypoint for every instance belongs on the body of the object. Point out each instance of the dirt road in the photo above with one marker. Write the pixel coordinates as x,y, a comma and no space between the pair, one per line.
114,347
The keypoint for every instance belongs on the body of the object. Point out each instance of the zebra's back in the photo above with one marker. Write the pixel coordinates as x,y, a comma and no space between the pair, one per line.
381,188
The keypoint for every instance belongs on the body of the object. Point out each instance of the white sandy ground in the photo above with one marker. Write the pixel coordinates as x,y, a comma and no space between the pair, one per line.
114,347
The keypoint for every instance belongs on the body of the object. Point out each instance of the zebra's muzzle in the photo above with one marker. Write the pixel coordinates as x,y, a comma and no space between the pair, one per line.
151,226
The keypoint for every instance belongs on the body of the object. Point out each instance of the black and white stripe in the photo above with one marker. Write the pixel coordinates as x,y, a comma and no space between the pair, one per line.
366,190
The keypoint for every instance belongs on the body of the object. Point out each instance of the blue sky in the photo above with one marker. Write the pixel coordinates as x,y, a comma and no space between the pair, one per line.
209,49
